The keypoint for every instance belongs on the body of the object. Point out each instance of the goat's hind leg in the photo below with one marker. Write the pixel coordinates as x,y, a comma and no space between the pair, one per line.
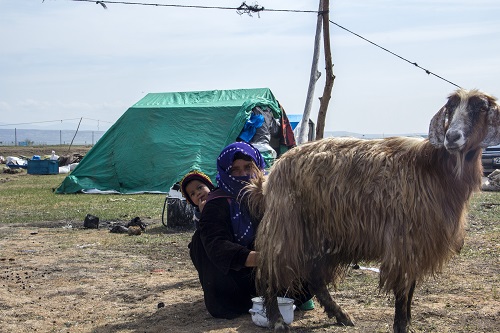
402,313
332,309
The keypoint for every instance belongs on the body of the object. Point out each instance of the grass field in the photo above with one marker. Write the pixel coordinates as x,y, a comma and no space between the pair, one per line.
30,198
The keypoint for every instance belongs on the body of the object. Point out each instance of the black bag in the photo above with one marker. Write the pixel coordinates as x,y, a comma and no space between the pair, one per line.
91,222
136,221
179,213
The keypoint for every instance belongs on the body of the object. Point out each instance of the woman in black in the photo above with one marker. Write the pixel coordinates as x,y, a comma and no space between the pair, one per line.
222,248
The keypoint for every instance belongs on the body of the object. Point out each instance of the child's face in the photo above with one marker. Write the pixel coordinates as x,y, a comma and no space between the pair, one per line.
197,191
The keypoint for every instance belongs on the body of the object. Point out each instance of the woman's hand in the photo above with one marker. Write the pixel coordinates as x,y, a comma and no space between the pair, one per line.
252,259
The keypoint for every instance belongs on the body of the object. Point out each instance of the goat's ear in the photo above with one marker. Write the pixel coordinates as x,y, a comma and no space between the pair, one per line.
493,136
437,128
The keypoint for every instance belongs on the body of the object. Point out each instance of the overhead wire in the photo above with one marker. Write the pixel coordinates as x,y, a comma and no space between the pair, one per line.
40,122
249,9
54,121
243,8
394,54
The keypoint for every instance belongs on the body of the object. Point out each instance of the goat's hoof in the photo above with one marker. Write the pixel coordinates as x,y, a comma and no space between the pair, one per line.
400,329
281,326
344,319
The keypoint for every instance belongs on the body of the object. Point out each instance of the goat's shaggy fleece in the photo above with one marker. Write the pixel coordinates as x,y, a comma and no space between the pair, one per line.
391,209
398,201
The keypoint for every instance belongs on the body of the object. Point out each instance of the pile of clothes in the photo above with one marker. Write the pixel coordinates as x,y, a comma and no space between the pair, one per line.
492,182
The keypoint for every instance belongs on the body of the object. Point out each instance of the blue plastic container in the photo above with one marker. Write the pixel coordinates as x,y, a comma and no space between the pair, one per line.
43,167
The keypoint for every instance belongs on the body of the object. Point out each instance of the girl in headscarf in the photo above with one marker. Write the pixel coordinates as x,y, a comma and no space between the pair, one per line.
222,249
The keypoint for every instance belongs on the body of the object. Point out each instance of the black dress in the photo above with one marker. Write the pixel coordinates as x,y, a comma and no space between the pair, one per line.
228,286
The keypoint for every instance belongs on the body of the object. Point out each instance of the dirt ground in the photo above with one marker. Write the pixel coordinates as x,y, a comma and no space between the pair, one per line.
59,277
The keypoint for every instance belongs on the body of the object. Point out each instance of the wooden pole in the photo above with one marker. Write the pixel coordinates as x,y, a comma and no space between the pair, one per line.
330,77
75,134
313,78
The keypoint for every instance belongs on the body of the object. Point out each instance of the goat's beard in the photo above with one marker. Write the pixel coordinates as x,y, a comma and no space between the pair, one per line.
459,163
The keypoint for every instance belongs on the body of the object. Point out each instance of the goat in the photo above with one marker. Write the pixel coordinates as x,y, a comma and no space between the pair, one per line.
399,201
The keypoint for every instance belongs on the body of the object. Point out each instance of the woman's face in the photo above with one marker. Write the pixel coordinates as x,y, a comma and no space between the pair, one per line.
241,168
197,191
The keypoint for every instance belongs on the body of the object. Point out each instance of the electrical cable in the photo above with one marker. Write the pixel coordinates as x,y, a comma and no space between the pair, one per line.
55,121
246,9
394,54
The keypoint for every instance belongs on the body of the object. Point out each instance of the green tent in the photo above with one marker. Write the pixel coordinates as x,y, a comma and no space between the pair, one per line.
164,136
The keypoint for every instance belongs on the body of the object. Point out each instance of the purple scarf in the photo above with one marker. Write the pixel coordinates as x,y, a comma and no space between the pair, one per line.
243,228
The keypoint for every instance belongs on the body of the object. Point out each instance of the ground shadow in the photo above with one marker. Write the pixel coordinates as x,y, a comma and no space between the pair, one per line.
185,317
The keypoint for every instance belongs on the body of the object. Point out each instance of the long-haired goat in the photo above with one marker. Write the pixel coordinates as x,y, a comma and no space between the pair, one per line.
400,201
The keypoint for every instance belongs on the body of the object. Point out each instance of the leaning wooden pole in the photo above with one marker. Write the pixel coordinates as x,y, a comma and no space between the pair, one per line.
313,78
330,77
75,134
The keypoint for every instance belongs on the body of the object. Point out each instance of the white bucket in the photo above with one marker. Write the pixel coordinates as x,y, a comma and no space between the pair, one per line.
258,311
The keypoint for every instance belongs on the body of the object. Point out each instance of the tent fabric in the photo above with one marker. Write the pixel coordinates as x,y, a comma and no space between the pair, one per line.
164,136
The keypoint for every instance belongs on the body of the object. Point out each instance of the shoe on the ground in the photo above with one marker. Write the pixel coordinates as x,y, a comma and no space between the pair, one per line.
306,306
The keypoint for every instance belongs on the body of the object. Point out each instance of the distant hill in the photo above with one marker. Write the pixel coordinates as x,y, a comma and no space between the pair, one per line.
369,136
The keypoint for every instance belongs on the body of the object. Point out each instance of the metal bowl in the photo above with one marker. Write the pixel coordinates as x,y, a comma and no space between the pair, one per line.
258,311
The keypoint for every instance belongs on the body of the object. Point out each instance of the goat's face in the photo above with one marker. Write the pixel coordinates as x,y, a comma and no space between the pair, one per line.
469,119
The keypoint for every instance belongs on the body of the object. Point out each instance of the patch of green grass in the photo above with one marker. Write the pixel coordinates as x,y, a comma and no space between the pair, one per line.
483,227
486,207
30,198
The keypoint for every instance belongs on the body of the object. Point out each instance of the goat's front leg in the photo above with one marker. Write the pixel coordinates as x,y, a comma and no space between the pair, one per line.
402,311
332,309
273,314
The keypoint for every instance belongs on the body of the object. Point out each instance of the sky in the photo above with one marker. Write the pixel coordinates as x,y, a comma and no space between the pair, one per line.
63,59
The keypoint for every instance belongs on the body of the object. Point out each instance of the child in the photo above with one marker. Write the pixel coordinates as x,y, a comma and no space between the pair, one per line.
195,186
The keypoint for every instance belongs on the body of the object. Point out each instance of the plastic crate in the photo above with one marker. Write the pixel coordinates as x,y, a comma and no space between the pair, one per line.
43,167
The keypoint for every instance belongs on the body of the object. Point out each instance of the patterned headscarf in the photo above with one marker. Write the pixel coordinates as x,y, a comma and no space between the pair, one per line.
243,228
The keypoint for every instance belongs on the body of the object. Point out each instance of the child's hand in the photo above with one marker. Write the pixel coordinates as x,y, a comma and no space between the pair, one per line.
201,204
